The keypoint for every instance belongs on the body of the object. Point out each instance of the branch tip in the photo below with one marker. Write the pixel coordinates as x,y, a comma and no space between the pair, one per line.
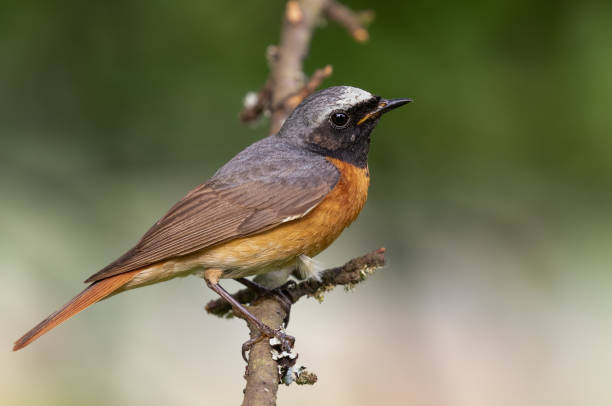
354,22
293,12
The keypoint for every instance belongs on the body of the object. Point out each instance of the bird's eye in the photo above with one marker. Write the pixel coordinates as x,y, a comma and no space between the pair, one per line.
339,119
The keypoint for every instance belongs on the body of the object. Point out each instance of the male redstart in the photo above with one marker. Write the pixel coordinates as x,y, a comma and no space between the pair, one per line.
277,203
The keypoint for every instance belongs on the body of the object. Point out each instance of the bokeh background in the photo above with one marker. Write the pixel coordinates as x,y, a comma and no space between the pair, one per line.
492,194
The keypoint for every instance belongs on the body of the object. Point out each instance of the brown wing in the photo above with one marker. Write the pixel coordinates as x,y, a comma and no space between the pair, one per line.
219,211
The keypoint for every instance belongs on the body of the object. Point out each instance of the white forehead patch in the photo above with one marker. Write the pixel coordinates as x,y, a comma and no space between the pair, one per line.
350,96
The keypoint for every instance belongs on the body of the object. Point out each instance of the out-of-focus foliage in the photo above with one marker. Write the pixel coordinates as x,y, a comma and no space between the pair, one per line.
492,192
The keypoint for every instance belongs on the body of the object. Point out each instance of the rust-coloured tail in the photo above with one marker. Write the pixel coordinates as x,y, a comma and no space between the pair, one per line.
92,294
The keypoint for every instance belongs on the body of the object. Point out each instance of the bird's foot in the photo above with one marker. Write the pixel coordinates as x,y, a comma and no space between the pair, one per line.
284,341
277,338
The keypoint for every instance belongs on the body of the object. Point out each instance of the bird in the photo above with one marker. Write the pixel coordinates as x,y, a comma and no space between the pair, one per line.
275,205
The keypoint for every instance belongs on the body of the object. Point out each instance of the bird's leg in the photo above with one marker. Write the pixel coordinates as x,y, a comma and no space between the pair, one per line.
277,293
259,288
211,276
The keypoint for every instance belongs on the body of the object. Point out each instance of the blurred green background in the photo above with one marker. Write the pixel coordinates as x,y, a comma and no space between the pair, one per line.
492,194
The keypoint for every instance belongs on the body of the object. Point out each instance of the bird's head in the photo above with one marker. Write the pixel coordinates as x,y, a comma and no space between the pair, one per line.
337,122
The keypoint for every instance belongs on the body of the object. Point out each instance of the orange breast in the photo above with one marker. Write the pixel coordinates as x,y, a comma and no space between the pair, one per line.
309,235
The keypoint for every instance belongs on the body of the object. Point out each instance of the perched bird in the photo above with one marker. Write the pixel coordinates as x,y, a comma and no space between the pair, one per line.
276,204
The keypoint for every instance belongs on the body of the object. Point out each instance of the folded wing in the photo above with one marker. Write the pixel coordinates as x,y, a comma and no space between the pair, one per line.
243,198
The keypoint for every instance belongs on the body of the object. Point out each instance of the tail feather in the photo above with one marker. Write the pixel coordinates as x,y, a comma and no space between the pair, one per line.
92,294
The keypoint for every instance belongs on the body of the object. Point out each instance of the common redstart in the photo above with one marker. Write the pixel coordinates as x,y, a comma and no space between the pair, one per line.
276,204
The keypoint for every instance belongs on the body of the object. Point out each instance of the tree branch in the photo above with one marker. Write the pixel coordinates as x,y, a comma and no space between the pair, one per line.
284,89
348,275
287,76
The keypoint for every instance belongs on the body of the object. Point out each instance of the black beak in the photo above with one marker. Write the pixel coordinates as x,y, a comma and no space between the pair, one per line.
384,105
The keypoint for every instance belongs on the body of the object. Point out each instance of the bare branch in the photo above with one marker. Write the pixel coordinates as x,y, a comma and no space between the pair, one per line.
287,77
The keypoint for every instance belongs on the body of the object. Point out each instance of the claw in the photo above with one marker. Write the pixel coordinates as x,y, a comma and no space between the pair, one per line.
248,345
286,341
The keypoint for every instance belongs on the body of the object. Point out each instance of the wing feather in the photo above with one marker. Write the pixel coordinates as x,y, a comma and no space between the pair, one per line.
225,209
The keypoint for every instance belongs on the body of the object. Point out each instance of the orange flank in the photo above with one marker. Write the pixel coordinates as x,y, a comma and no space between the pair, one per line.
92,294
280,246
